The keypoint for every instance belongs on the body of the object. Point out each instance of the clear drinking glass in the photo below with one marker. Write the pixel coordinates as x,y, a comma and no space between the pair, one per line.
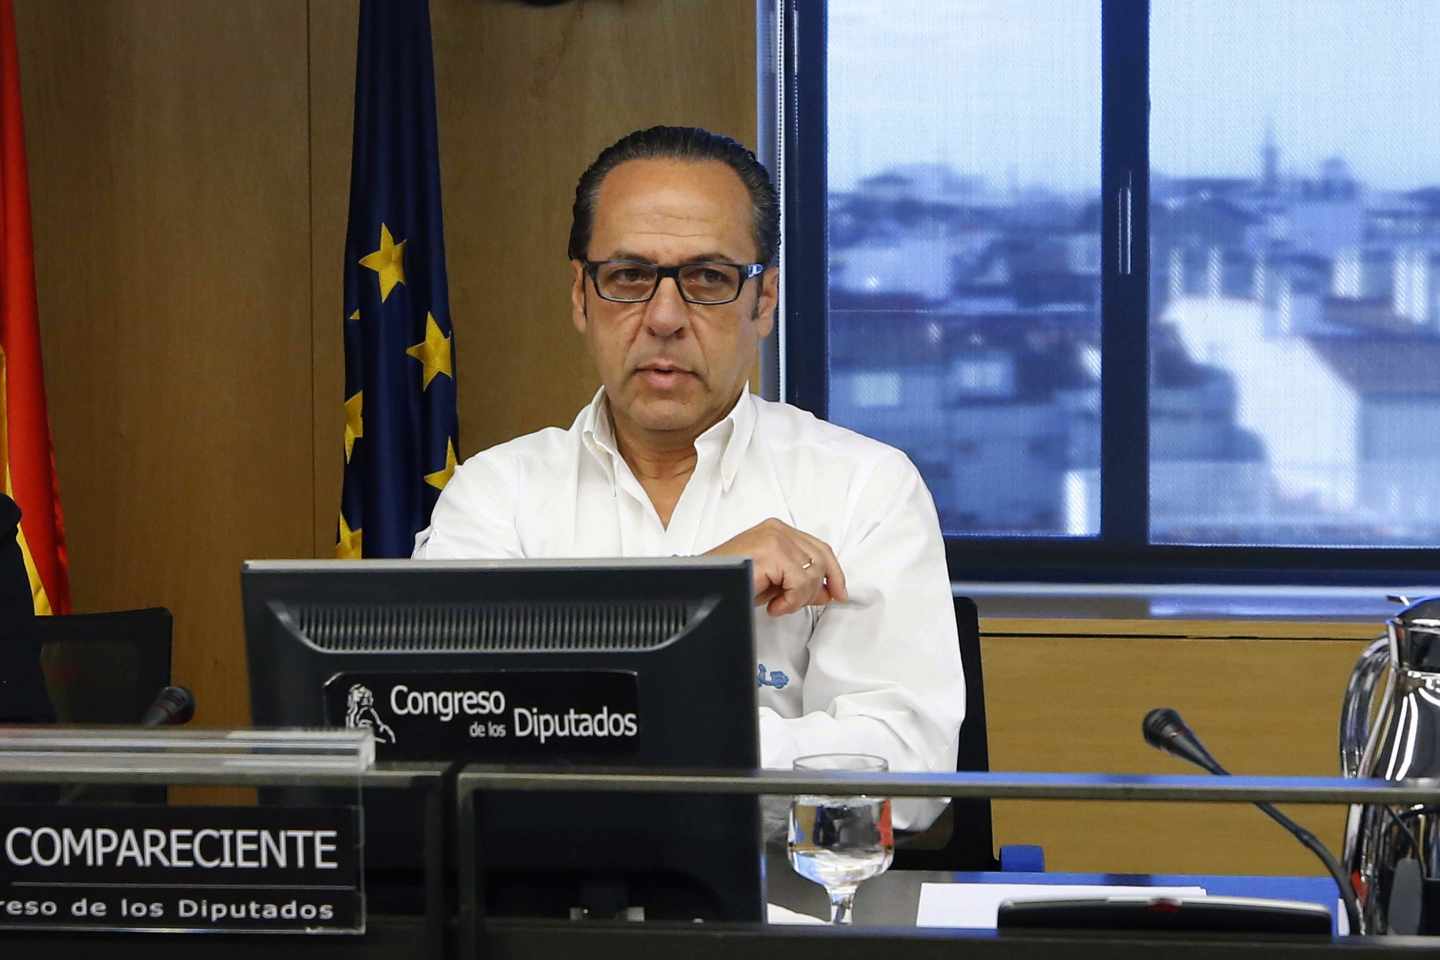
840,842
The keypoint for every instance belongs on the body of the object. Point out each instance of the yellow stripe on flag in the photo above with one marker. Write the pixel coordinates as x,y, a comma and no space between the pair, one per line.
37,589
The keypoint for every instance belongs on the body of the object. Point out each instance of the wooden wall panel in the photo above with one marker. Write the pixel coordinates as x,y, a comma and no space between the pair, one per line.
1073,702
169,180
527,97
334,29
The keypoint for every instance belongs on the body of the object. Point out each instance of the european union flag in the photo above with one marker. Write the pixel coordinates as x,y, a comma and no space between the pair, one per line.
401,428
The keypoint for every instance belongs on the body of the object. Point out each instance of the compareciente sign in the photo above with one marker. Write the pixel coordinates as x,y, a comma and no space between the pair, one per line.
177,847
231,869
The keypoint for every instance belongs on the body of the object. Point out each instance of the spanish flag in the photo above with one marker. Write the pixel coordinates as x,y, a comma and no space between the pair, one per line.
27,456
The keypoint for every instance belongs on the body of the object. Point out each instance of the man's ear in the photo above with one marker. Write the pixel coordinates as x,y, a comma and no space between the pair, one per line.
768,300
578,315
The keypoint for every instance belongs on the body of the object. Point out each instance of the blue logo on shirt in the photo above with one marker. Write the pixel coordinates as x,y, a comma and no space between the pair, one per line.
774,678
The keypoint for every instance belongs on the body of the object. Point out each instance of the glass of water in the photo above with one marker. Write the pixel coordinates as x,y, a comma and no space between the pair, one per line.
840,841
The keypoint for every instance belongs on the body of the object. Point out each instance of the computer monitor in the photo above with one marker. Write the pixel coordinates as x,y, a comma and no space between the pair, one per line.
645,663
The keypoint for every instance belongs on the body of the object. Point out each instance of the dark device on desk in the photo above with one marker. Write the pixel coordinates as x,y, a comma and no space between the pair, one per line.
635,663
1174,914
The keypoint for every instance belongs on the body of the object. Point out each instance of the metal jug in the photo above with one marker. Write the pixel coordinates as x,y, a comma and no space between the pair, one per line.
1392,853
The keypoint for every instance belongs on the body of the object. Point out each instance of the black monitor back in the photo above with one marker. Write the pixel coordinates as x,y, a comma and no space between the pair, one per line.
396,645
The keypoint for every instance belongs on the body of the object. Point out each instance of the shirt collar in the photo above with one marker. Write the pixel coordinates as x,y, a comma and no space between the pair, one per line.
732,434
596,429
736,429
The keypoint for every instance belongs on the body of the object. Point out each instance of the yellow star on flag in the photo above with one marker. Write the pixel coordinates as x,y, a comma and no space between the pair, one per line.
354,423
348,547
388,262
433,352
439,478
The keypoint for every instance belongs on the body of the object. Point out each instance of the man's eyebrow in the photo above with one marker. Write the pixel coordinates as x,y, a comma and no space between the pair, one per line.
707,257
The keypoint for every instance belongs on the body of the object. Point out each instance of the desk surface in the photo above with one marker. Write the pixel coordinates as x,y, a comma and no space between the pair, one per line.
892,899
393,938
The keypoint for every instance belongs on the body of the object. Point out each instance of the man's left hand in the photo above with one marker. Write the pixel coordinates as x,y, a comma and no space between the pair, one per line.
792,568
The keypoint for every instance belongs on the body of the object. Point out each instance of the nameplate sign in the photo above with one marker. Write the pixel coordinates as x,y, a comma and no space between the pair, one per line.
181,869
493,715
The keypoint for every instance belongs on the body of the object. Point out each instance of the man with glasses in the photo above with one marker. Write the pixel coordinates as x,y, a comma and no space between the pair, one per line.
673,286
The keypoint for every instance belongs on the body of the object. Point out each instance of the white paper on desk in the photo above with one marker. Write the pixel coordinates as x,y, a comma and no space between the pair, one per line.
975,904
774,913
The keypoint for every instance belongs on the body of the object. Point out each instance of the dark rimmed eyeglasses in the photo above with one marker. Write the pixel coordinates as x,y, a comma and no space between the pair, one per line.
709,282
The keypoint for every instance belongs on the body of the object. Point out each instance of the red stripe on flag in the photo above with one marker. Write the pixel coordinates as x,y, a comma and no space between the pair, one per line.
31,453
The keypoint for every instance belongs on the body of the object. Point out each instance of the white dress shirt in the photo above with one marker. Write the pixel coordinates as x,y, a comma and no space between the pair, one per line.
878,674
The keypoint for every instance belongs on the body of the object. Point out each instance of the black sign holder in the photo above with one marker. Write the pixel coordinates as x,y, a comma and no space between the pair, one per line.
432,783
479,935
560,939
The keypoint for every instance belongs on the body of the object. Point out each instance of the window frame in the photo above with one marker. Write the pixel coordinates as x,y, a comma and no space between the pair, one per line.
1121,551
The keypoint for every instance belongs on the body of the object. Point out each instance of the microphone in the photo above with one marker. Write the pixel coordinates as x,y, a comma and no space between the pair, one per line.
170,708
1165,730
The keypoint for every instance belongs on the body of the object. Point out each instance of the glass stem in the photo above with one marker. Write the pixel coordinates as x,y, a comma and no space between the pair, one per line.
842,904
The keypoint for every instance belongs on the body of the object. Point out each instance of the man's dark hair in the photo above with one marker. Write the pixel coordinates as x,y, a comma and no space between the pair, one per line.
680,143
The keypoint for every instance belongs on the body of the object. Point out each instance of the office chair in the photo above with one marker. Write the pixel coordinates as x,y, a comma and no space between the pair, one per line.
962,838
106,668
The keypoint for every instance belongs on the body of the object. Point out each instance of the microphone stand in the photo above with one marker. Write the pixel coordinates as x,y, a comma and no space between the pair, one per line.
1165,730
1312,843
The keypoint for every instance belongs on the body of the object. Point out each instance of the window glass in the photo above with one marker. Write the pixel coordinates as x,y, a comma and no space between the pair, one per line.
1295,272
964,251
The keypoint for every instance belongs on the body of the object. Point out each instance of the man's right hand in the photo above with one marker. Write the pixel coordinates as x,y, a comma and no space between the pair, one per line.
792,568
